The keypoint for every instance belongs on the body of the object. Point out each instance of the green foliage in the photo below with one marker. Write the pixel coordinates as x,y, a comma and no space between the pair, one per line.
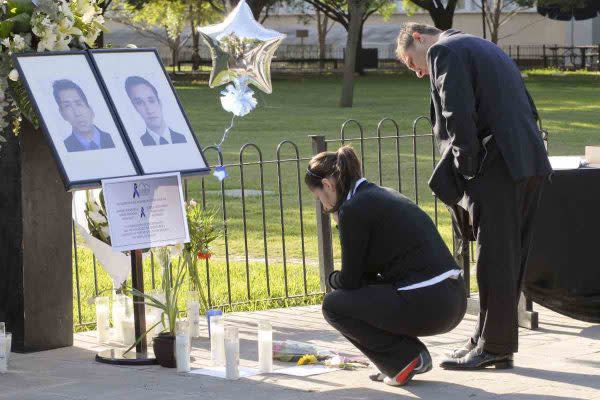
21,98
409,7
172,283
565,5
16,17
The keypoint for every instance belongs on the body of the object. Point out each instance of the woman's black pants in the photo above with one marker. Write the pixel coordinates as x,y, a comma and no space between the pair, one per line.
384,324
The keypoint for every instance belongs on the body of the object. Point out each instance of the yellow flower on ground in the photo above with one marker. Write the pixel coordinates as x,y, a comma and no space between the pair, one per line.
307,359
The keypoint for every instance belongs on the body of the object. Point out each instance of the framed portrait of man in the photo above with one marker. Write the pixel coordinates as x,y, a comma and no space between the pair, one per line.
76,116
150,112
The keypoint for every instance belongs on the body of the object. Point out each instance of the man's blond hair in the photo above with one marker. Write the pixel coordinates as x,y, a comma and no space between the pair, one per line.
405,36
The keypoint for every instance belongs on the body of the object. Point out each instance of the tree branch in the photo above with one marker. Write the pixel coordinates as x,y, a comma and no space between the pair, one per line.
425,4
332,12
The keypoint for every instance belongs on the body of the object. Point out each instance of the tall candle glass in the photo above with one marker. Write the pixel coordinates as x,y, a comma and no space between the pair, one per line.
119,305
232,352
217,341
102,319
3,356
265,346
193,314
127,323
8,343
182,346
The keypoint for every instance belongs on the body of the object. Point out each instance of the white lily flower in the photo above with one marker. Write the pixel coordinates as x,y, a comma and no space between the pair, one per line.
13,75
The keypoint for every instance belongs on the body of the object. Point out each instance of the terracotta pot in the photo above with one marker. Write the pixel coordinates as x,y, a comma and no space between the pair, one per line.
164,349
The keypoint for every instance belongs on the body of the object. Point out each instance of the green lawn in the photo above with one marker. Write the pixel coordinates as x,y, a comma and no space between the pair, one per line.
307,105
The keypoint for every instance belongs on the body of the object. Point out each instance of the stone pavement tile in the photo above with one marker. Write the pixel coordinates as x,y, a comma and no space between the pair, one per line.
18,382
551,391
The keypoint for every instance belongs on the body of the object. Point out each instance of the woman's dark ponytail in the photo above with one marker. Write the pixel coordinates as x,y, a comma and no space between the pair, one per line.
348,170
343,165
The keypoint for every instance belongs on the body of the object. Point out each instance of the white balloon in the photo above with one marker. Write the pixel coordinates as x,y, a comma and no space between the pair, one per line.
241,47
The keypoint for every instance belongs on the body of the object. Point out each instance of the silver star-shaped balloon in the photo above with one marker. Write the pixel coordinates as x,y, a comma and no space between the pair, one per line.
241,47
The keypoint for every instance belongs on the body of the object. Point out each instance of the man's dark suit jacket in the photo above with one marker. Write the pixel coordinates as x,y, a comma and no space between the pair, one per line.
148,140
477,91
73,144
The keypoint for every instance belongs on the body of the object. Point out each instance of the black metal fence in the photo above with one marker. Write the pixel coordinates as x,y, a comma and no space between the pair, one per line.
307,57
277,243
554,56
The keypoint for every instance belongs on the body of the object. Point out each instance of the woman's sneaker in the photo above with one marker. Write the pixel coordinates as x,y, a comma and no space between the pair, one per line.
419,365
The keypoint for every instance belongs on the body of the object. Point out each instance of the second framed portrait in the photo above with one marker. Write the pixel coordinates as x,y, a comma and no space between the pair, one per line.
151,114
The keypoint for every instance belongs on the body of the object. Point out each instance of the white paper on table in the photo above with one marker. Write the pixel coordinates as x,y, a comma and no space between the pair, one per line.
117,264
219,372
305,370
565,162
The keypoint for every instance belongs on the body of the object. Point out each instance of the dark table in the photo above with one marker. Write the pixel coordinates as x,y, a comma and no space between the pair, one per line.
564,263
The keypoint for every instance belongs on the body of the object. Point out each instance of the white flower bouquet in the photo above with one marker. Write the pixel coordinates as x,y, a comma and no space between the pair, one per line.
40,25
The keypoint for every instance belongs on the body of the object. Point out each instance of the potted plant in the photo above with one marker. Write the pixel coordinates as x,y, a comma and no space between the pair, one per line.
204,229
172,282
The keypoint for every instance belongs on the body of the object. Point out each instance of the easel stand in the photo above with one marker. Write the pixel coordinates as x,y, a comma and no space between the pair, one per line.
140,356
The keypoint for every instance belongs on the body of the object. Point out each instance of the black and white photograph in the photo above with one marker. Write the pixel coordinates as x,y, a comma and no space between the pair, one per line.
147,105
76,116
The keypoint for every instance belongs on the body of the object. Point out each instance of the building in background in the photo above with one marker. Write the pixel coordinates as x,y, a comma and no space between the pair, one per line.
525,28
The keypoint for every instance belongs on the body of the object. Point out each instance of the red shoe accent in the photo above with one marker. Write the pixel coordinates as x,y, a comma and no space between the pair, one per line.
406,372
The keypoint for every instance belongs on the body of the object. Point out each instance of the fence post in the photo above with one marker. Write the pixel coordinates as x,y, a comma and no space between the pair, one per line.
544,55
323,226
518,54
583,49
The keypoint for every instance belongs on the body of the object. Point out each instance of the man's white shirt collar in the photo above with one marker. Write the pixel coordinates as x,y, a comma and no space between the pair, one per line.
157,136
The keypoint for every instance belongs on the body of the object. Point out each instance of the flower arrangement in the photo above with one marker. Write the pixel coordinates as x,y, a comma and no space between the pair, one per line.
204,229
95,213
39,25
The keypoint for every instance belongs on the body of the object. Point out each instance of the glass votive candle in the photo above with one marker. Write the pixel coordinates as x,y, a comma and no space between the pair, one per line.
217,341
2,328
182,351
119,306
102,319
3,355
8,342
265,346
127,323
232,352
193,314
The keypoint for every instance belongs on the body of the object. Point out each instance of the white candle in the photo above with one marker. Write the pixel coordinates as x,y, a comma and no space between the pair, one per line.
119,305
182,352
102,319
217,341
265,346
193,312
128,331
232,353
127,323
3,355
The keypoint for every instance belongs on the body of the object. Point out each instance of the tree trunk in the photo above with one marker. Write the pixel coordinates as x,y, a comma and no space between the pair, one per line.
175,52
356,10
442,18
359,67
322,22
483,27
255,5
495,28
195,42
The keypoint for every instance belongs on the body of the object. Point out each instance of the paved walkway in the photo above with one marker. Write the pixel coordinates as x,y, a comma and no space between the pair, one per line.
559,361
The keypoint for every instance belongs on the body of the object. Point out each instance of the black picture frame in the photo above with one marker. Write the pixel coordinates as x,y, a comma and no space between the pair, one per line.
72,185
184,172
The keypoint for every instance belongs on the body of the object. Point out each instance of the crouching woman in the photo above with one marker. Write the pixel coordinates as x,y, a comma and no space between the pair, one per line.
398,280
